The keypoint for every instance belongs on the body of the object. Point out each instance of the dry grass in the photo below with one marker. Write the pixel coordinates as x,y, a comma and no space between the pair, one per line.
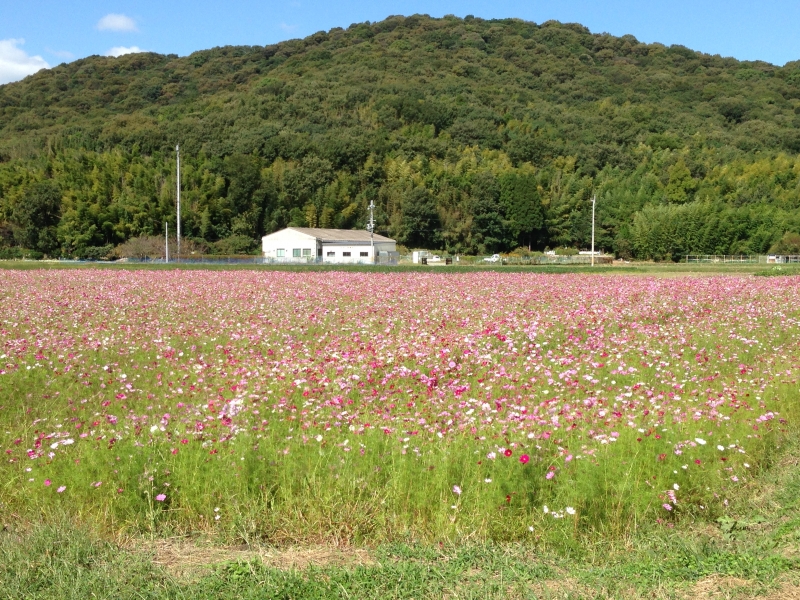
192,559
719,587
548,589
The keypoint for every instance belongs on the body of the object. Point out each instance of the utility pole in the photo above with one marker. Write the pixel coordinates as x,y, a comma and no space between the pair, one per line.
166,242
594,201
178,157
371,228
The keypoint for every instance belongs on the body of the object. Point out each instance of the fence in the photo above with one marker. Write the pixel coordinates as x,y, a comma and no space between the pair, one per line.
382,260
536,259
784,258
199,260
725,258
743,258
258,260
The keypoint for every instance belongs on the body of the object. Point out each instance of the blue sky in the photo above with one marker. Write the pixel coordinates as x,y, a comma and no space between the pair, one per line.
40,33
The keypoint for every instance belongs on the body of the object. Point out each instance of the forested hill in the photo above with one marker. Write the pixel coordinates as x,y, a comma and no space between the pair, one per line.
470,135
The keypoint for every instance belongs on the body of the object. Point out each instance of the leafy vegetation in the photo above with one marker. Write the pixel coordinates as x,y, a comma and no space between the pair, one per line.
470,135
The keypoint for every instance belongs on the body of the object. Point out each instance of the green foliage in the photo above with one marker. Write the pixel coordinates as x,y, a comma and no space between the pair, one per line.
503,129
788,244
566,251
522,203
235,244
420,222
668,232
35,215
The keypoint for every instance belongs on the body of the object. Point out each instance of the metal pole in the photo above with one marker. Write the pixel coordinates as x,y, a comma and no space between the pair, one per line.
166,242
372,230
594,200
178,156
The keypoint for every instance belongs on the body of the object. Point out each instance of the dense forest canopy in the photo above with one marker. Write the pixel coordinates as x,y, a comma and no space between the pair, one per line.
470,135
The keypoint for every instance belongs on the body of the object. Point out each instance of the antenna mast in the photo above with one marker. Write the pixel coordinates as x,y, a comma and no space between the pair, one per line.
371,228
594,200
178,157
166,242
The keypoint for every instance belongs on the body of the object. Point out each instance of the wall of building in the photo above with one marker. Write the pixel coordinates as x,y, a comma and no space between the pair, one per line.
294,247
343,253
290,246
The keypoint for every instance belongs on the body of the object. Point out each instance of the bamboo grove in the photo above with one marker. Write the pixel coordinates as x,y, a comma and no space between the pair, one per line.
469,135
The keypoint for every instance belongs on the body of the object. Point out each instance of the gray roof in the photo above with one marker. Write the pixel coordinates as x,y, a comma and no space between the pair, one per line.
340,235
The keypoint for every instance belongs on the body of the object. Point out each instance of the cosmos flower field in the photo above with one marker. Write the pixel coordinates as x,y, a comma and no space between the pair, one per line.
355,407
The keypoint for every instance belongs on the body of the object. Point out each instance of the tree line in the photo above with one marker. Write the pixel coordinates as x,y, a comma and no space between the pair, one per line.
469,135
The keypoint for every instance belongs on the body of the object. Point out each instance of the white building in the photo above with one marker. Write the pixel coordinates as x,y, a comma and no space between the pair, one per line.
341,246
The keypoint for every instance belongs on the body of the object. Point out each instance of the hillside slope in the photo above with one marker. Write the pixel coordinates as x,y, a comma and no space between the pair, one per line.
470,135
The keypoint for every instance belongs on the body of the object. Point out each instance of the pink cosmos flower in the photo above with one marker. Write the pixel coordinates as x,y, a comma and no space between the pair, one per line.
524,459
667,506
161,497
550,475
61,489
47,482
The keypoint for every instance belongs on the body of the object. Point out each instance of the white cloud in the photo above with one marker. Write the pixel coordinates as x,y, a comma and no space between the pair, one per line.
288,28
116,22
15,63
120,50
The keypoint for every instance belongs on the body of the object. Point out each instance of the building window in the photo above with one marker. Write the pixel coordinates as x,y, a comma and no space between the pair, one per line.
331,254
280,252
345,254
296,252
306,251
365,254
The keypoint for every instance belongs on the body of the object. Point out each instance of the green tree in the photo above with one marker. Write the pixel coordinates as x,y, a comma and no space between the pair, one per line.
681,186
522,204
420,224
788,244
36,216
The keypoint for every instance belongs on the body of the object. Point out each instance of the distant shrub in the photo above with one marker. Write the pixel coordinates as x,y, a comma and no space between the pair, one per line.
566,251
11,253
235,244
96,252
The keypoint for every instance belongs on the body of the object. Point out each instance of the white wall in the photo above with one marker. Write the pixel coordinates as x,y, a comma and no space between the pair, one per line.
338,252
288,241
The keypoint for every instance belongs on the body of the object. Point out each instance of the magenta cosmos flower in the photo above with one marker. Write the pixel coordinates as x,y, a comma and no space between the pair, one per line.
524,459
